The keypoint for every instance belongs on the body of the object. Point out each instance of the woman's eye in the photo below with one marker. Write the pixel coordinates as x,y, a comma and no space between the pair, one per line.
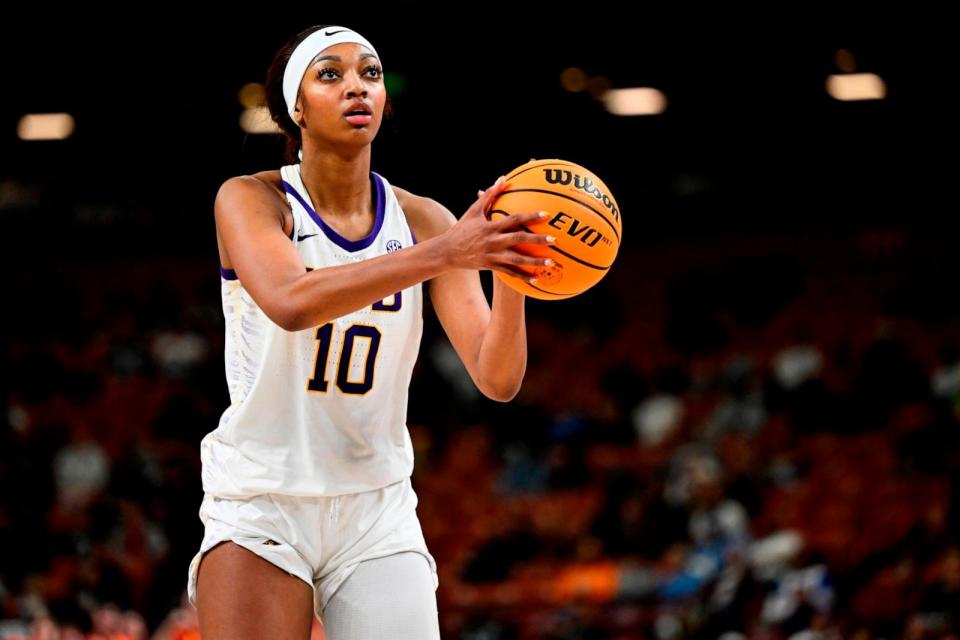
322,74
376,71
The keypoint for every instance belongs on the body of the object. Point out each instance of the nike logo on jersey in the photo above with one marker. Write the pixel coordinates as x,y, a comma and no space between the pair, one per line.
302,238
330,33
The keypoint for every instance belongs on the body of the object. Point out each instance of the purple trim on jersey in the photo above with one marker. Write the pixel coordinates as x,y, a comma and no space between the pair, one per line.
413,236
336,238
228,274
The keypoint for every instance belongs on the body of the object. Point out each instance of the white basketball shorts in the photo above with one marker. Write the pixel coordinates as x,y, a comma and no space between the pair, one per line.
319,540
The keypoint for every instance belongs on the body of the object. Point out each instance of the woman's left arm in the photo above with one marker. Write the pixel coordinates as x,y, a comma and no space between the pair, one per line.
491,343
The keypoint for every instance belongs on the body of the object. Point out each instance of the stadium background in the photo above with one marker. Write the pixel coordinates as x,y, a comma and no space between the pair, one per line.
750,427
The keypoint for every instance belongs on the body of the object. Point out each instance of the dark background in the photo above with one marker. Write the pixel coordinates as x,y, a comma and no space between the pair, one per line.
750,139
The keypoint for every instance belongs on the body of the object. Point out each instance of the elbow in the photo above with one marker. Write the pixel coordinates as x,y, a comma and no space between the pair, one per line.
292,310
502,392
504,383
288,317
289,323
286,321
297,321
291,315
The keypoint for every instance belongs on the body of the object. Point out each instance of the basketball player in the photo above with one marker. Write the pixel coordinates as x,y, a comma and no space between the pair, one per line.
308,505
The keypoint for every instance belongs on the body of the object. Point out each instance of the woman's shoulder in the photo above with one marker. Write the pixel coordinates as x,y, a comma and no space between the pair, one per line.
263,181
258,195
264,186
427,217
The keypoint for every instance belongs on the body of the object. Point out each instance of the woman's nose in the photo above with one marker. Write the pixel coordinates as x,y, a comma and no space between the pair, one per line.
355,85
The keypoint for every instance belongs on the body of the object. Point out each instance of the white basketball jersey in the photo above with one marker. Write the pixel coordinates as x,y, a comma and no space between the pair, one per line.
318,412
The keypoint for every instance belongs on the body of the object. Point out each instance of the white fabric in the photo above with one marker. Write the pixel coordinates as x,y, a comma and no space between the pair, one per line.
278,436
391,597
306,51
322,540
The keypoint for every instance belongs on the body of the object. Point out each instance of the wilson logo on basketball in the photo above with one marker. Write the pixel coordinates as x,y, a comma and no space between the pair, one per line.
564,177
575,228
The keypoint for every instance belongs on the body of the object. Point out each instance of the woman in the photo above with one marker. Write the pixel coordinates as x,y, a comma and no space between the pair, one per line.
307,488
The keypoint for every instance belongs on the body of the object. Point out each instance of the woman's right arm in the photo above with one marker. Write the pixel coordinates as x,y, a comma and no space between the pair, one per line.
250,228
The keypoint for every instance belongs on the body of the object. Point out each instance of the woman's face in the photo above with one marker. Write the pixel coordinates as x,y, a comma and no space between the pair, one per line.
338,79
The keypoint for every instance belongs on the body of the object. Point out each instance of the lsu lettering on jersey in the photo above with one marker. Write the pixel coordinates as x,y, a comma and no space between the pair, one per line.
318,412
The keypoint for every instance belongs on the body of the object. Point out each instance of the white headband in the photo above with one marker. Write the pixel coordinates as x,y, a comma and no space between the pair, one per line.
306,51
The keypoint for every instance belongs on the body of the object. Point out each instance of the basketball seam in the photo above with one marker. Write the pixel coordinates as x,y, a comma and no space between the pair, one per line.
562,252
552,293
560,195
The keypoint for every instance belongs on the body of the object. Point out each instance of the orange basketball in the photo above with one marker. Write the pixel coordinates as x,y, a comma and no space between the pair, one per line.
584,218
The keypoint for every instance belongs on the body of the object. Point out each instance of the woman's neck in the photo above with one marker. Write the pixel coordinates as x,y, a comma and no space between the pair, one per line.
337,184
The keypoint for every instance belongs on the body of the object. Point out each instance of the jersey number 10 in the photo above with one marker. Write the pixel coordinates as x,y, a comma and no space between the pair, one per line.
319,382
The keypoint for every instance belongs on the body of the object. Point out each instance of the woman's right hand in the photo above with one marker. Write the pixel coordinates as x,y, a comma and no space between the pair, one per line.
476,242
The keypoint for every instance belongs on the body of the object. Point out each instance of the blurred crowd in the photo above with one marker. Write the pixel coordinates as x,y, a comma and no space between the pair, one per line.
747,439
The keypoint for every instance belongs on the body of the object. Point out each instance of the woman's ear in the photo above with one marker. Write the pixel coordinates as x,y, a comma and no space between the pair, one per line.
298,115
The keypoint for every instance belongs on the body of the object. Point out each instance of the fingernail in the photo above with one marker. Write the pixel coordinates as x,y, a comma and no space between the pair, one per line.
551,239
532,280
479,192
544,214
548,262
499,180
533,159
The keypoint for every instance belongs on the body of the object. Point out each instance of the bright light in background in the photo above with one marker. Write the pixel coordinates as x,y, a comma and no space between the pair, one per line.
257,120
849,86
45,126
638,101
252,95
573,79
856,86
